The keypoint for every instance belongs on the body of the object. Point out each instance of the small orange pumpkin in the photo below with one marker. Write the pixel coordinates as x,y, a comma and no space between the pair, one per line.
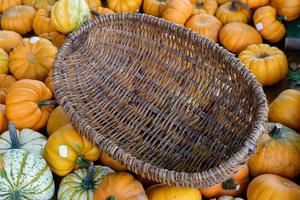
42,22
8,40
108,161
57,119
221,2
206,25
48,81
234,186
255,3
124,6
93,3
3,62
3,119
6,4
101,11
178,11
38,4
57,38
210,6
5,82
154,7
289,9
18,19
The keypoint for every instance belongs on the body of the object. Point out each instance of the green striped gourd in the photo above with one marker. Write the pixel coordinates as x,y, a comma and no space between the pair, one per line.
82,183
25,175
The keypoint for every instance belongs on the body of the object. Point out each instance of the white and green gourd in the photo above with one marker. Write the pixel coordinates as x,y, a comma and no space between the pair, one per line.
82,183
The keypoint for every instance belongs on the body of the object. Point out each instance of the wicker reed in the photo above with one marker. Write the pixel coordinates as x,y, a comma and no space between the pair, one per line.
172,106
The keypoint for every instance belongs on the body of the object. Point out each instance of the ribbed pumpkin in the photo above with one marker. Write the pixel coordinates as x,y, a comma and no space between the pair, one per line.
285,109
178,11
3,119
93,3
101,11
154,7
255,3
82,183
48,81
234,186
233,12
67,150
120,186
3,62
57,119
25,175
165,192
32,59
210,6
124,6
38,4
9,39
108,161
57,38
268,26
289,9
206,25
231,34
6,4
27,104
68,15
5,82
25,139
42,22
277,152
272,187
268,64
18,19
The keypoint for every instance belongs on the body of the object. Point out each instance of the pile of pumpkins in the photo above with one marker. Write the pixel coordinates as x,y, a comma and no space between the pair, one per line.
31,33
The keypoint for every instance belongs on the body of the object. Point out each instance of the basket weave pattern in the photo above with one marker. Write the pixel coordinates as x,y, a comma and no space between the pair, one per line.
172,106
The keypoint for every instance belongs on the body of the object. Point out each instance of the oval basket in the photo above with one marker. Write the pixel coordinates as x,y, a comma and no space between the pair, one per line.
172,106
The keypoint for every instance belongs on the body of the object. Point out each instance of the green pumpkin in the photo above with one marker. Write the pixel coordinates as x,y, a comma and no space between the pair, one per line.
25,175
26,139
82,183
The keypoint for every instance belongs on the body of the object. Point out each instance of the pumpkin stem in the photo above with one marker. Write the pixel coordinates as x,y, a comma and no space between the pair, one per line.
230,185
88,182
111,198
82,162
16,195
199,4
47,103
280,18
275,132
15,144
234,4
95,12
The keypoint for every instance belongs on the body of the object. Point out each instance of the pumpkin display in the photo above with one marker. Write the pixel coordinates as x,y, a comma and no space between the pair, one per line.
28,105
57,38
285,109
270,187
178,11
32,58
93,3
82,183
234,186
42,22
154,7
108,161
3,62
166,192
9,39
68,15
120,186
268,64
277,152
255,3
6,4
230,36
289,9
57,119
210,6
3,119
18,19
124,6
25,175
233,12
5,82
268,26
67,150
25,139
38,4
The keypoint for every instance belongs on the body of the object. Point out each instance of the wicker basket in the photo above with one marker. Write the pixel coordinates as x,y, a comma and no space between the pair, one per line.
172,106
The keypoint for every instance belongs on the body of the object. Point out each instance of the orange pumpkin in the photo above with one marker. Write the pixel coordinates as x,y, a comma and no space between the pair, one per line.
234,186
3,62
6,4
57,119
210,6
48,81
154,7
206,25
5,82
255,3
108,161
9,39
221,2
101,11
27,104
277,152
233,36
42,22
32,59
233,12
289,9
272,187
178,11
268,26
38,4
3,119
93,3
18,19
57,38
120,186
124,6
285,109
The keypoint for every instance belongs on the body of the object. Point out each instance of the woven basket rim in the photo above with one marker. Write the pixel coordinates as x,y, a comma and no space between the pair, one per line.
231,166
